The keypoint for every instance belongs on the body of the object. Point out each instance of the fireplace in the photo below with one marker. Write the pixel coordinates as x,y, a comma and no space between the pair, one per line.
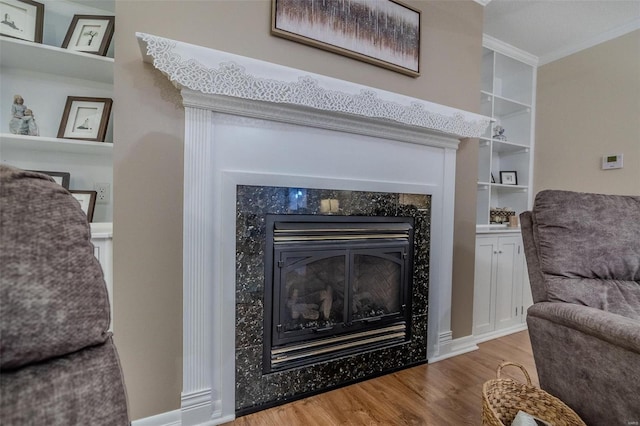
352,267
335,286
255,131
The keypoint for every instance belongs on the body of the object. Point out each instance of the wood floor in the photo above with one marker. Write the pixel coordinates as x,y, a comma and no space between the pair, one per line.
448,392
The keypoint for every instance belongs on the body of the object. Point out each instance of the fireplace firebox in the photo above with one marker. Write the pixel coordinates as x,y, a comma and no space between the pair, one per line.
335,285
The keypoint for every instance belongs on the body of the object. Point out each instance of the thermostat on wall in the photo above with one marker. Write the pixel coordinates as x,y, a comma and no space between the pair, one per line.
612,161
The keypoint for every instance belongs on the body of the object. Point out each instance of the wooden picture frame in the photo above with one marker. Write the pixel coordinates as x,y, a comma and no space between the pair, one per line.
61,178
509,178
87,200
391,39
90,34
22,19
85,118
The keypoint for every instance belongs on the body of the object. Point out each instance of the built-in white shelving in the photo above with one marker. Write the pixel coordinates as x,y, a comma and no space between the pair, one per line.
9,141
37,57
45,74
501,289
508,96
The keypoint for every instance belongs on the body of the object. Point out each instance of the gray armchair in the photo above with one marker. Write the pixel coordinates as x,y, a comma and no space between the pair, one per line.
583,255
59,365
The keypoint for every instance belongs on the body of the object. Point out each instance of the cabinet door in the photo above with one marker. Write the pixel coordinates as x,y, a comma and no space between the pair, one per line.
508,282
484,287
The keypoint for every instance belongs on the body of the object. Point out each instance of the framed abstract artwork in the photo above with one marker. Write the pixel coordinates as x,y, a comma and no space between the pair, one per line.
382,32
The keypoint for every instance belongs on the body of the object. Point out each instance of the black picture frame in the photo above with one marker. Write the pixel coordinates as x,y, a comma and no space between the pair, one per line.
509,178
22,19
61,178
87,200
90,34
80,110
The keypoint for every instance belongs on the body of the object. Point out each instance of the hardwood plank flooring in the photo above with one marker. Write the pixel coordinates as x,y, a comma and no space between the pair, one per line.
448,392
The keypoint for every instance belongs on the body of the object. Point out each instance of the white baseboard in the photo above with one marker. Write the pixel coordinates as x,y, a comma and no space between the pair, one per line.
174,418
170,418
500,333
454,347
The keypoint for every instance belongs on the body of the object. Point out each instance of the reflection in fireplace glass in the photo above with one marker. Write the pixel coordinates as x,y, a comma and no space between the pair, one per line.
297,199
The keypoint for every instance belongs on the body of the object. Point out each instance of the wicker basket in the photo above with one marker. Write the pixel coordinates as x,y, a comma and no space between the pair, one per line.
503,398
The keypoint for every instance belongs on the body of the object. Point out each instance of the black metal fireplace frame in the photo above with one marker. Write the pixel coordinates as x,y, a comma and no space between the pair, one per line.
398,325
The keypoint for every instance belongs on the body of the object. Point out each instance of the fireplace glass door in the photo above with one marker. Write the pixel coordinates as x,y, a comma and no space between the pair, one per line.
335,286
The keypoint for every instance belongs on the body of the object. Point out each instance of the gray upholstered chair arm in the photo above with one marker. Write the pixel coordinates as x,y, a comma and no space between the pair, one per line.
536,279
612,328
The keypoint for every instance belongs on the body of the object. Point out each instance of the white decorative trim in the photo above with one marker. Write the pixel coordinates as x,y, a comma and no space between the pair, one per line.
220,73
442,255
593,41
483,2
197,271
445,337
509,50
454,347
322,119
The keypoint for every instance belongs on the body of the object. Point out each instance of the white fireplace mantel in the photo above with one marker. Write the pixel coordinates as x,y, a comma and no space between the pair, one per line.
245,119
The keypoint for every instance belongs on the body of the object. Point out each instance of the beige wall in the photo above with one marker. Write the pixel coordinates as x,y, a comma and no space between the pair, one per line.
148,161
588,105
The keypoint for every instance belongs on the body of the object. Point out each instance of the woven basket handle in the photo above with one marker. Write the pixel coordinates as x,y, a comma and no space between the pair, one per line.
520,366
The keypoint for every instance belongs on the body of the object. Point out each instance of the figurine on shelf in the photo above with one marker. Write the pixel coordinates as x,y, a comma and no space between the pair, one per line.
22,120
29,126
17,112
499,133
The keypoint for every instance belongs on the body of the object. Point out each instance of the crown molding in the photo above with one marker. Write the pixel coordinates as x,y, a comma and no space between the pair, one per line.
509,50
594,41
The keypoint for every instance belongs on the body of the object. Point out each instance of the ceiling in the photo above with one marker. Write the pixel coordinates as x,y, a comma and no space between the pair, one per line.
552,29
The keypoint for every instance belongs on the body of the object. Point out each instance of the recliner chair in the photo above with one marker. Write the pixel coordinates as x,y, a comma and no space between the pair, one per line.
583,255
59,365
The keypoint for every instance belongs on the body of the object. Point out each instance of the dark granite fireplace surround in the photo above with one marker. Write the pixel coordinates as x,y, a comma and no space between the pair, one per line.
256,390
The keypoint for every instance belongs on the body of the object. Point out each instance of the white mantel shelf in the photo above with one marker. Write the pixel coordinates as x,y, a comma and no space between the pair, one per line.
250,122
251,83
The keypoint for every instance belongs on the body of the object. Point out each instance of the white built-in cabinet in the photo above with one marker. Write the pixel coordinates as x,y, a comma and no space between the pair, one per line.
44,74
502,292
508,96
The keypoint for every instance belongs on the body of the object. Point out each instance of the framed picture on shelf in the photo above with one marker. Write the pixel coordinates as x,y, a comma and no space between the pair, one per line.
61,178
493,180
508,178
85,118
22,19
87,200
385,33
90,34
